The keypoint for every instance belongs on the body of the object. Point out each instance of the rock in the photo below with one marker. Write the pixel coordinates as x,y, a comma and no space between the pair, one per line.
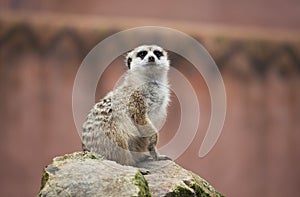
87,174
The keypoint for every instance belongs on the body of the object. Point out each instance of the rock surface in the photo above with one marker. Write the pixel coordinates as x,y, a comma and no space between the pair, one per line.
87,174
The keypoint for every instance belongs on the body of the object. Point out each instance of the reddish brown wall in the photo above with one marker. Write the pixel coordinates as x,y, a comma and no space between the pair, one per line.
256,155
264,13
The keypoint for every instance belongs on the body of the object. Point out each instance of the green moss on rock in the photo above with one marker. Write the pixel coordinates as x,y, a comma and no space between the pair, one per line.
44,180
194,187
203,188
140,181
199,191
181,190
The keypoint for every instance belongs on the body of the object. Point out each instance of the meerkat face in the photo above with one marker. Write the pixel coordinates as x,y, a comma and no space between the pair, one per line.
147,56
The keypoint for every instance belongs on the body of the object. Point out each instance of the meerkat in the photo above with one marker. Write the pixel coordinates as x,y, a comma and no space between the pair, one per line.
123,126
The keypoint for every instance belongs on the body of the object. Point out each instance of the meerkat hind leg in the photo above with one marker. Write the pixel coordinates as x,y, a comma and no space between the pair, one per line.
146,157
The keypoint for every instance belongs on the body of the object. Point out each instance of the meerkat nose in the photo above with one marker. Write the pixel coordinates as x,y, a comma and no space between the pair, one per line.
151,59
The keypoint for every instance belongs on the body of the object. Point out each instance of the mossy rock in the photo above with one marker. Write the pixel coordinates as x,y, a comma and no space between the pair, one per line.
87,174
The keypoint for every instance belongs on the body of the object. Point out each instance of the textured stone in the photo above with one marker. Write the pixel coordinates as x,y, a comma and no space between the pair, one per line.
86,174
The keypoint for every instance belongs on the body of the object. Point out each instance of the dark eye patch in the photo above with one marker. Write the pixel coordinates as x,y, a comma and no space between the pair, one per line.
141,54
129,60
158,53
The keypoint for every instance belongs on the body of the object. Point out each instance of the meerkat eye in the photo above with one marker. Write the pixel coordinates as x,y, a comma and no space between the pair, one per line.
158,53
141,54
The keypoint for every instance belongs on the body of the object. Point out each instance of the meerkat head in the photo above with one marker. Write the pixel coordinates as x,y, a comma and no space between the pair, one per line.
147,56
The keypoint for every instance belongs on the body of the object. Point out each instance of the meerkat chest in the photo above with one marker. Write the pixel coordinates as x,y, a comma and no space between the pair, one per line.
157,98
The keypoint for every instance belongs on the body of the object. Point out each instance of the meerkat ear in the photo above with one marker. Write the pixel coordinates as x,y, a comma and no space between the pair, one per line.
129,60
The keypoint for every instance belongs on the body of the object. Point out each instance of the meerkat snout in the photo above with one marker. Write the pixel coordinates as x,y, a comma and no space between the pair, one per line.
151,59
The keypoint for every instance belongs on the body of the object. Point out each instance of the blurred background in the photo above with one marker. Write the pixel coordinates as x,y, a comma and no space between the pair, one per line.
256,45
